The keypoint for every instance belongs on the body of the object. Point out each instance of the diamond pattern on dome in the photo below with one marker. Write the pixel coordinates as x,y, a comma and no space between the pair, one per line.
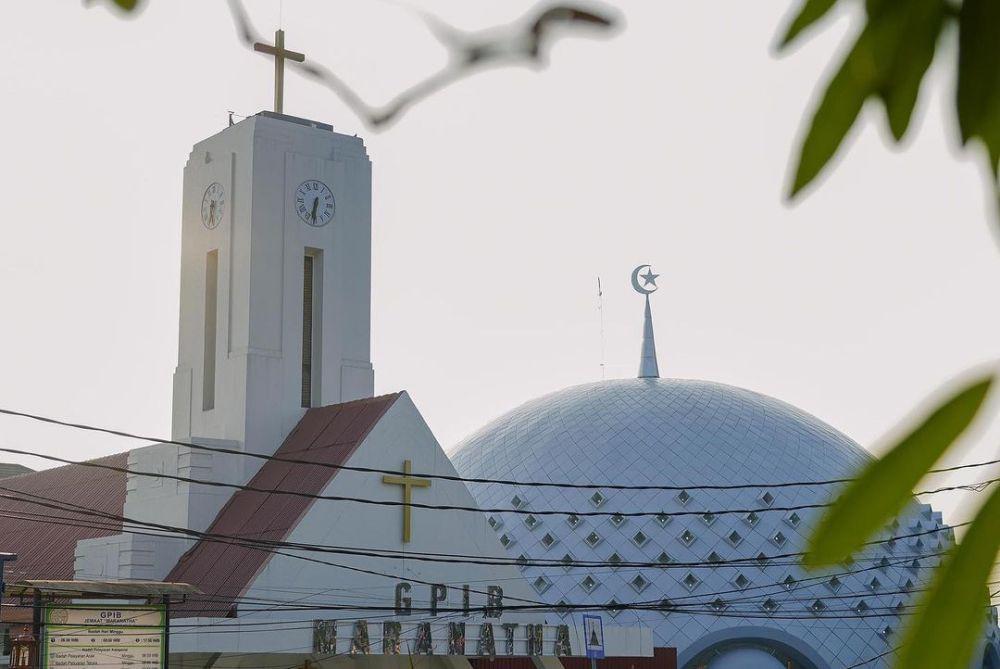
598,499
708,518
618,520
860,607
518,502
741,581
589,583
614,607
522,561
779,538
549,540
573,520
835,584
495,523
664,558
541,584
665,606
532,522
734,538
719,605
507,540
640,539
714,558
686,537
818,606
793,519
567,561
687,434
615,560
639,583
691,581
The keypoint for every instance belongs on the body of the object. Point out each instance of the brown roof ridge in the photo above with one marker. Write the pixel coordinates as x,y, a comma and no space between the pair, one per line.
82,463
362,400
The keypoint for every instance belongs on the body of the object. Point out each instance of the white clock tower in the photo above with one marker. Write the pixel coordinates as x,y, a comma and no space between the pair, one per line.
275,317
275,280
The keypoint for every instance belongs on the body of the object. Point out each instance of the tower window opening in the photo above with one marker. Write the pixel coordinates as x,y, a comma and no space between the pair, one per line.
311,324
211,320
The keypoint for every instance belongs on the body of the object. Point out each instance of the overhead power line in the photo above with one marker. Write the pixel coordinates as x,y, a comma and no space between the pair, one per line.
977,487
404,555
714,609
464,479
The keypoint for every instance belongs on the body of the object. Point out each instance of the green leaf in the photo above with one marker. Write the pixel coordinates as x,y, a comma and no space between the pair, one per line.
839,107
978,91
889,59
913,43
885,486
952,613
809,13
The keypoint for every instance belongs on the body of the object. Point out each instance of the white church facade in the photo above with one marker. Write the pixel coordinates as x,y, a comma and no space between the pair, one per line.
324,525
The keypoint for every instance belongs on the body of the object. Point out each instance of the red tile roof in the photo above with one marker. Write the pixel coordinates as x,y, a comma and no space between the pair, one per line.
223,571
44,538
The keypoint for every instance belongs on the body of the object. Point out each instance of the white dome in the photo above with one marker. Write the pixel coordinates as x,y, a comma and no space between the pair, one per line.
695,433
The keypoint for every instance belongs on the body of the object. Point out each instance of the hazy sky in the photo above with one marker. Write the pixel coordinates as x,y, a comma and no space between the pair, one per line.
497,204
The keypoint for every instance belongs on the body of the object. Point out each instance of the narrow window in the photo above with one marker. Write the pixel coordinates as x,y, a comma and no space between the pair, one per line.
312,272
211,304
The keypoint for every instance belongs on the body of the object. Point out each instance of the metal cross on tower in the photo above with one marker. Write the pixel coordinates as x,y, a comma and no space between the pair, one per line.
280,54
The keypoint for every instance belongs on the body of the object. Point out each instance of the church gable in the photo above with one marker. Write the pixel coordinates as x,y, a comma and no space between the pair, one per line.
222,569
438,565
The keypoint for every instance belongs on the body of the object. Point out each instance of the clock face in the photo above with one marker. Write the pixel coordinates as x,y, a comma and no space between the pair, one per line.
212,205
314,203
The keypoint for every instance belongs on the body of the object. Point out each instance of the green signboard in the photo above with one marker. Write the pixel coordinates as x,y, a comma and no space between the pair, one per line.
103,637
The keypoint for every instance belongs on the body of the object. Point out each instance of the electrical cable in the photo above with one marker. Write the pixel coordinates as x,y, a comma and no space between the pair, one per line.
506,482
417,556
468,509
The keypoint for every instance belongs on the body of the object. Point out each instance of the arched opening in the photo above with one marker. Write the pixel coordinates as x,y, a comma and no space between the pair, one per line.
746,657
991,659
751,648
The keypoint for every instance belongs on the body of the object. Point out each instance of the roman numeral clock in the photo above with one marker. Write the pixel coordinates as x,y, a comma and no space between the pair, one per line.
314,203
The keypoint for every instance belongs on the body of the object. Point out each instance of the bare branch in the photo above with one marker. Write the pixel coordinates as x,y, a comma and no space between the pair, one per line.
525,41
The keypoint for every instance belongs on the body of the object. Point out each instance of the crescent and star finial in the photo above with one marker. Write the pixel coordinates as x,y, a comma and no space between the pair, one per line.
648,279
649,368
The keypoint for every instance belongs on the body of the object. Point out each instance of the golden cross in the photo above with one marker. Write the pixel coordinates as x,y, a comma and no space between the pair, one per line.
408,482
280,54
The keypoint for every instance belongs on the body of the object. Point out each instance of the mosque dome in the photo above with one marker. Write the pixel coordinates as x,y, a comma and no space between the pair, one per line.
721,564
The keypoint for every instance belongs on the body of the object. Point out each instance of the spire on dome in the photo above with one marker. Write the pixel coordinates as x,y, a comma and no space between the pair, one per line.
648,367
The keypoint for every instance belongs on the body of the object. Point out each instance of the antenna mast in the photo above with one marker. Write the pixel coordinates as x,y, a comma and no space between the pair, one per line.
600,311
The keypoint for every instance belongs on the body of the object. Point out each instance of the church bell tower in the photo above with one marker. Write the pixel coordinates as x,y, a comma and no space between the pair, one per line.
275,312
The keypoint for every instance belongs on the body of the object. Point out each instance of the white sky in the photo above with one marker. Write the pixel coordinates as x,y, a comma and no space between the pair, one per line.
497,204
